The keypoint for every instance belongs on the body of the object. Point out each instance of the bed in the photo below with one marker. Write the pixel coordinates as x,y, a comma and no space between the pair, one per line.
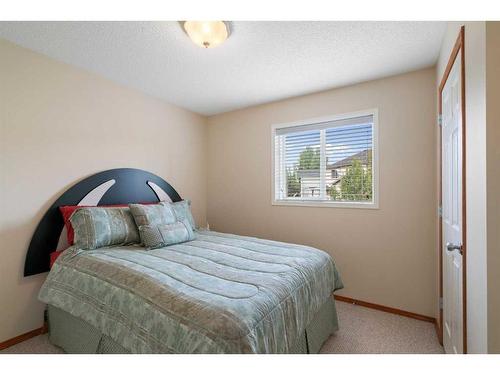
218,293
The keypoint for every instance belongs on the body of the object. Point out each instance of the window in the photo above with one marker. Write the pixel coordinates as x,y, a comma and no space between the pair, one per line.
327,162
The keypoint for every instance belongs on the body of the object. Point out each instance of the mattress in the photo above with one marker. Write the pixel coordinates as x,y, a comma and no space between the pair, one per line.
219,293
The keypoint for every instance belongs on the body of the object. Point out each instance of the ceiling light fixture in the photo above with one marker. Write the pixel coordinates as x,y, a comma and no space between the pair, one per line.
207,34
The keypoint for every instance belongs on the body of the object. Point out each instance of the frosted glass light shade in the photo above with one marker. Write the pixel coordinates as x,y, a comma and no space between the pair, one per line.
206,34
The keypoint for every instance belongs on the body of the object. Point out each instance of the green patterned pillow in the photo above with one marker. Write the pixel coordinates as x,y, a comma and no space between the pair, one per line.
182,211
152,214
161,235
103,226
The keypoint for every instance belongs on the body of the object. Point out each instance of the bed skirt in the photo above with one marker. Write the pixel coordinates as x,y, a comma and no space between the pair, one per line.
76,336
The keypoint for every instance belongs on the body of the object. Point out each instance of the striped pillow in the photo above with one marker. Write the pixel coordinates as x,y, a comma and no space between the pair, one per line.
152,214
161,235
103,226
182,211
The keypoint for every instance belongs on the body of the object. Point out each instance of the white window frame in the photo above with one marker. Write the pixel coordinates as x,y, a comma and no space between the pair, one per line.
324,203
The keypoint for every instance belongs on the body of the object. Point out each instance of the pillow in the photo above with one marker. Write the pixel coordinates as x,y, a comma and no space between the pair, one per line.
153,214
53,256
161,235
67,211
96,227
182,211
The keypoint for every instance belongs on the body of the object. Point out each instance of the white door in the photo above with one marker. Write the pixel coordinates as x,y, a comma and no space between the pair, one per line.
452,210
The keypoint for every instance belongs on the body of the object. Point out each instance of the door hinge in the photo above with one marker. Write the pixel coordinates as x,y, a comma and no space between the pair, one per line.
440,211
440,303
440,120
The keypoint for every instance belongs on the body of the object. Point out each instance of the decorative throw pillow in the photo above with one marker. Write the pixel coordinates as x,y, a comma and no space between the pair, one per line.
161,235
153,214
182,211
67,211
96,227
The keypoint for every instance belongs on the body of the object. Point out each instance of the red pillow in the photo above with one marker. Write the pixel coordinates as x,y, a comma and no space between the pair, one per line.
67,211
54,255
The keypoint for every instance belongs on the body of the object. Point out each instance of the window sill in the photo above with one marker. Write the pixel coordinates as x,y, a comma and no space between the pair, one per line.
312,203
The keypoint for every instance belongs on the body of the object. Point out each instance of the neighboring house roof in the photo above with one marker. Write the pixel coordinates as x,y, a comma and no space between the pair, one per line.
336,182
347,162
308,173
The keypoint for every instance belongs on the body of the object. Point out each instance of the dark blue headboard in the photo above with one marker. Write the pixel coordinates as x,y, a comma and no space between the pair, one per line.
115,186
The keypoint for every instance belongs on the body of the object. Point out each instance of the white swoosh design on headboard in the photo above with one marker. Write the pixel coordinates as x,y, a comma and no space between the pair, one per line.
95,195
91,199
160,193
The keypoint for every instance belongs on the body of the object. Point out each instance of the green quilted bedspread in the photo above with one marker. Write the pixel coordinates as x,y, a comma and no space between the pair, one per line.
219,293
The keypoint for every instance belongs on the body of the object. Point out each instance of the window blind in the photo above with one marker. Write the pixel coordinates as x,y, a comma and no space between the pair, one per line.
327,161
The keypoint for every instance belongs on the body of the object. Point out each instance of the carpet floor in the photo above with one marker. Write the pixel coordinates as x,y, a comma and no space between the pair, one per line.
362,330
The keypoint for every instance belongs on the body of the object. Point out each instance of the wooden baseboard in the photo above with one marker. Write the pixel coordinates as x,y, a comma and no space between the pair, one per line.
24,337
439,332
386,309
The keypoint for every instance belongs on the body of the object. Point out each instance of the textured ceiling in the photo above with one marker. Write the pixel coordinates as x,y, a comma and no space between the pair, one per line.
259,63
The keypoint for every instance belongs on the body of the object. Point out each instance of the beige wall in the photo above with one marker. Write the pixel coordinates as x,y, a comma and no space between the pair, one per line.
59,124
385,256
493,181
475,163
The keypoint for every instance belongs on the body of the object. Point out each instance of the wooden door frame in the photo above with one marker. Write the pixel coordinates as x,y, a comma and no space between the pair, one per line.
458,48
